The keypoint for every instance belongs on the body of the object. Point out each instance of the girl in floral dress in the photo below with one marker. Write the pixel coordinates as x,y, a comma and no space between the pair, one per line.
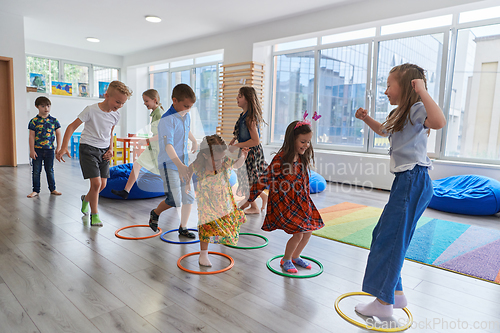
290,207
219,218
247,135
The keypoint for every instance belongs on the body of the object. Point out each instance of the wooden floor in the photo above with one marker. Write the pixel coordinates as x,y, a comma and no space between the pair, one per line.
59,275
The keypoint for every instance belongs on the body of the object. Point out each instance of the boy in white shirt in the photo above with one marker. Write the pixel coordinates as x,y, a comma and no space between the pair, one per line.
96,144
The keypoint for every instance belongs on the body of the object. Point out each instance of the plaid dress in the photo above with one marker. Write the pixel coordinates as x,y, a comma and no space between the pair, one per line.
255,164
290,207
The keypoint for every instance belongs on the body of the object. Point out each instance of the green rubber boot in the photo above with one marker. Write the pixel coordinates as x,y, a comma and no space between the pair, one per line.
85,205
95,221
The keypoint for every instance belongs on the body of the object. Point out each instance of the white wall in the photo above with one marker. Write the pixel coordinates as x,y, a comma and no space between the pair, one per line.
12,46
70,53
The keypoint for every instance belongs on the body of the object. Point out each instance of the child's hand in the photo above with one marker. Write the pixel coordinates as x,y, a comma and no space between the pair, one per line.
232,142
108,155
418,85
61,153
33,154
183,173
232,148
244,152
361,114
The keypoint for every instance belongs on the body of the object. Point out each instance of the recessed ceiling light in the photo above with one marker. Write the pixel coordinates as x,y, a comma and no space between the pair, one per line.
154,19
93,39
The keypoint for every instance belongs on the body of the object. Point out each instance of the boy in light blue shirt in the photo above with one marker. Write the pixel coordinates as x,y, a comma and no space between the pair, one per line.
173,134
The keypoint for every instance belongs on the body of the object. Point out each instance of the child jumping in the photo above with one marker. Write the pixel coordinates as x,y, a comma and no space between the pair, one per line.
219,217
247,135
407,127
290,207
173,133
149,158
96,144
43,130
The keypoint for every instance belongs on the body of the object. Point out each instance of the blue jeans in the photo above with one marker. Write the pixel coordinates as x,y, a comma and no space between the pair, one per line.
47,157
410,195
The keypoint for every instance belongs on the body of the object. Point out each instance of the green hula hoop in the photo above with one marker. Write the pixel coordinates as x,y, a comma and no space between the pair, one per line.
250,247
293,275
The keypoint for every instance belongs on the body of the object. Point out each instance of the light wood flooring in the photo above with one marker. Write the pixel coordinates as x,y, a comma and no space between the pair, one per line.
59,275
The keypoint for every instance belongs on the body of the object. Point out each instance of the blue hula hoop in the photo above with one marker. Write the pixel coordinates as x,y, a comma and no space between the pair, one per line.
174,242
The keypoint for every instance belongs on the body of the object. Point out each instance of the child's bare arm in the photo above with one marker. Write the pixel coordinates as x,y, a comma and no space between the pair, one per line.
372,123
241,160
109,154
194,147
254,138
58,139
67,135
33,154
435,117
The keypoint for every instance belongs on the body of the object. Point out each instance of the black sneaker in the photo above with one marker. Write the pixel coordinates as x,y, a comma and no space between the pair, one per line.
186,233
153,220
122,193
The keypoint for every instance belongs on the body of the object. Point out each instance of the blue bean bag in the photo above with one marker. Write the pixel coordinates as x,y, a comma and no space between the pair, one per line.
466,194
148,185
317,182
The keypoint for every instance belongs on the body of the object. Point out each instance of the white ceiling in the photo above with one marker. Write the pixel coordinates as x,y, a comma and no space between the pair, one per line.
122,29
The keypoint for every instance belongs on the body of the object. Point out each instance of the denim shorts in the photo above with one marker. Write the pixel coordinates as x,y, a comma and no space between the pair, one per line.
92,163
175,189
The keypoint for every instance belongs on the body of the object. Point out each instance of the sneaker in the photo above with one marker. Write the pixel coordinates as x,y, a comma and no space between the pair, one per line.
153,220
122,193
186,233
95,221
85,205
302,263
288,266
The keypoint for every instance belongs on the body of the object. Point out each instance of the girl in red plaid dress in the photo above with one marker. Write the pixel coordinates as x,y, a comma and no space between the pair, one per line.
290,207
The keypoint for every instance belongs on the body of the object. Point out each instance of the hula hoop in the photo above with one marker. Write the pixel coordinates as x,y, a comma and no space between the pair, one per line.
134,226
174,242
370,327
231,264
250,247
293,275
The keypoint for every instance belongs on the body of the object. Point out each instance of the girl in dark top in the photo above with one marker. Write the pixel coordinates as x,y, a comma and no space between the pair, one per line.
247,135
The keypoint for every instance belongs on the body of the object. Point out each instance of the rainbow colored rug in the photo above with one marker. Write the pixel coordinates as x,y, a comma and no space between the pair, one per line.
457,247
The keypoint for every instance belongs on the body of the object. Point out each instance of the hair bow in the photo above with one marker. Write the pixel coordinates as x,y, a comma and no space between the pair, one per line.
304,121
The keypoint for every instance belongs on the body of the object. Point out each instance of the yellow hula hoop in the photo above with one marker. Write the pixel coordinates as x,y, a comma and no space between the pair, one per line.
369,327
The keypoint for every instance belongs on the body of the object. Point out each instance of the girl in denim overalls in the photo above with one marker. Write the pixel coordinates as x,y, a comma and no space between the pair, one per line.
407,127
247,135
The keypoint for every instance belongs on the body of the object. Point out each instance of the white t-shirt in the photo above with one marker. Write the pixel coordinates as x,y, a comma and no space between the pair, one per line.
98,124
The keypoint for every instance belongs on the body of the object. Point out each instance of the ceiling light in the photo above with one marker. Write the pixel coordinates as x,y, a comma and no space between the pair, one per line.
93,39
154,19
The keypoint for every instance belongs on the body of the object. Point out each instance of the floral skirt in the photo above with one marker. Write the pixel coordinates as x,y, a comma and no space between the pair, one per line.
224,230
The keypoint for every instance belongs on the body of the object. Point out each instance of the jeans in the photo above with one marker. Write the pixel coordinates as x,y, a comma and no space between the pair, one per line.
410,195
47,156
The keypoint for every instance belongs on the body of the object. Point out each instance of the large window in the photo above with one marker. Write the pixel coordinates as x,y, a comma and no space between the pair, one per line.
294,90
334,74
425,51
201,74
341,91
474,113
